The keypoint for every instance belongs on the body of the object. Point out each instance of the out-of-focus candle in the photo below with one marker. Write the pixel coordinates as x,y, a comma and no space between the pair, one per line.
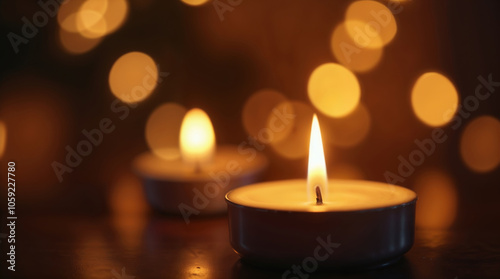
197,181
281,223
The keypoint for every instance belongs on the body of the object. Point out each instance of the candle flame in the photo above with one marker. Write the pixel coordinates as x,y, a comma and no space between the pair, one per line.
316,172
197,138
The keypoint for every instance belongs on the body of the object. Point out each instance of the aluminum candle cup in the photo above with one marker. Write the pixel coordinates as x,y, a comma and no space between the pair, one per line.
179,188
363,224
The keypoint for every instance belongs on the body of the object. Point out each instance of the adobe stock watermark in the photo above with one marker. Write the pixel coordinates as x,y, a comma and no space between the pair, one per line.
364,36
310,264
220,180
38,20
94,137
223,6
426,147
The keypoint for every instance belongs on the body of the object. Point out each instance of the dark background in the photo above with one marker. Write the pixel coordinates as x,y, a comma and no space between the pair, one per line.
83,228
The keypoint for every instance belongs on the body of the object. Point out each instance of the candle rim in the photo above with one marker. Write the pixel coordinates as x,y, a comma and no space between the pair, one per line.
259,164
412,197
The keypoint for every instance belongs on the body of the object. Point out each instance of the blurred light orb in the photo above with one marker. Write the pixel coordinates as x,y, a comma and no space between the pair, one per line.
437,200
280,121
133,77
258,108
115,14
195,2
3,138
350,54
349,130
370,24
68,13
92,18
480,144
432,98
333,90
163,130
75,43
296,144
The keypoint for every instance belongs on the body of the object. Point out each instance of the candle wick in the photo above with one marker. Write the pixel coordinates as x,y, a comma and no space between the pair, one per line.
319,198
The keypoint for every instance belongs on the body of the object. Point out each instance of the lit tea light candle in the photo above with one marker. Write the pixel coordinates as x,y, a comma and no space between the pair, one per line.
321,223
196,182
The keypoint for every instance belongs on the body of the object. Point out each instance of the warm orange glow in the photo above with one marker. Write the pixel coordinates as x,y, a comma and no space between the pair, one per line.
258,109
345,171
3,138
334,90
353,56
437,200
291,139
197,138
92,18
37,123
316,170
433,97
115,14
163,130
349,130
127,196
370,24
195,2
68,13
133,77
280,122
480,144
75,43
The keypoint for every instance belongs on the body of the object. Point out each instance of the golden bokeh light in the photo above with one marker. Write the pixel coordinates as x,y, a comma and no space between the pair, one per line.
295,145
68,13
480,144
333,90
90,21
437,200
350,54
133,77
195,2
3,138
433,97
92,18
370,24
197,138
75,43
163,130
115,15
279,122
349,130
258,109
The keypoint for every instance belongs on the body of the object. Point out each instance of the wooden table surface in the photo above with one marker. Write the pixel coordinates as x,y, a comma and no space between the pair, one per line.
153,246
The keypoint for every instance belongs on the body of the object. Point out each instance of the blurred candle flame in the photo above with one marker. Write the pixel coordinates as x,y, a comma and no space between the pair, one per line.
197,138
316,172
